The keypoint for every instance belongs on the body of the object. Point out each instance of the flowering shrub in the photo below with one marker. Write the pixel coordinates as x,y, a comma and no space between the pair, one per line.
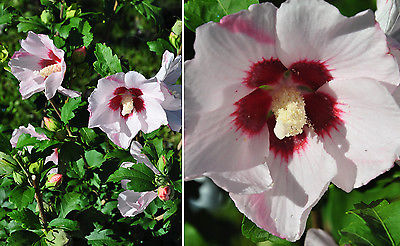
82,162
278,106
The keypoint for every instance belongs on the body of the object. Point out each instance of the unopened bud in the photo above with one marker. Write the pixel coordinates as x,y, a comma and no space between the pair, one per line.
54,180
175,40
163,192
79,55
51,124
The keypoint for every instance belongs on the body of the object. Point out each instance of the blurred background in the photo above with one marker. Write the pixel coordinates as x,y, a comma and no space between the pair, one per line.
211,217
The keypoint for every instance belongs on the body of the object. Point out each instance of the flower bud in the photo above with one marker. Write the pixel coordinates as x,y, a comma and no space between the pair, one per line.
3,54
54,180
163,192
51,124
79,55
47,17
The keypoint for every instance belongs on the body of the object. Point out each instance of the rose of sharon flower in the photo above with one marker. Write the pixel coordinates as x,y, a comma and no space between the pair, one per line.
39,65
31,131
123,104
131,203
281,102
169,73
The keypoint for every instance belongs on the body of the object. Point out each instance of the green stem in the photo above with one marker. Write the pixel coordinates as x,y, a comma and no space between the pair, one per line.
59,115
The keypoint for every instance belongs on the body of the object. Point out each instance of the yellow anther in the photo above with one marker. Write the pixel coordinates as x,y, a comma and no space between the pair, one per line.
288,107
45,72
127,105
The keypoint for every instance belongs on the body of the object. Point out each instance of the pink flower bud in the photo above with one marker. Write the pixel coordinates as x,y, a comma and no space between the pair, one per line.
79,54
54,180
51,124
163,192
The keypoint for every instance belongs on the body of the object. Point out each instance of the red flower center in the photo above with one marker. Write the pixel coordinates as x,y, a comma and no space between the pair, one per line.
127,101
270,80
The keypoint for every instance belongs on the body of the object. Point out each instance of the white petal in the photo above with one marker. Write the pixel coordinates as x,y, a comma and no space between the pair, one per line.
318,237
134,79
68,93
214,145
174,120
297,187
34,45
387,14
54,81
350,47
152,89
131,203
249,181
154,117
367,145
225,51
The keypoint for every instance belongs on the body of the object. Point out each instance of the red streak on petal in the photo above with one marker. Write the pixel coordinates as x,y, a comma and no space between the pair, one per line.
310,73
44,63
252,112
138,104
236,24
136,92
53,57
286,147
322,111
265,72
115,103
120,91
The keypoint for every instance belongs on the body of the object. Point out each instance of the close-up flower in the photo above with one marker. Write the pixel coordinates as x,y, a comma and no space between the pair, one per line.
168,75
279,103
39,66
124,104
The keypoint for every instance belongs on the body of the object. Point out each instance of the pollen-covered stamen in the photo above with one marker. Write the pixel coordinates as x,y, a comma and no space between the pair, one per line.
46,71
289,109
127,104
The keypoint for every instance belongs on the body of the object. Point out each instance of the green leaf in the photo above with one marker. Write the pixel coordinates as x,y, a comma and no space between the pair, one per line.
64,224
26,217
70,151
140,175
255,234
87,34
26,140
159,46
88,135
69,202
68,108
171,211
158,144
198,12
178,185
94,158
5,16
101,237
107,63
22,196
22,238
333,213
356,233
5,145
381,218
57,238
148,10
30,24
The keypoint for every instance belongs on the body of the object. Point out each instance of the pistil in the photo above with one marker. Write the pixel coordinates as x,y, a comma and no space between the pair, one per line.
289,109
